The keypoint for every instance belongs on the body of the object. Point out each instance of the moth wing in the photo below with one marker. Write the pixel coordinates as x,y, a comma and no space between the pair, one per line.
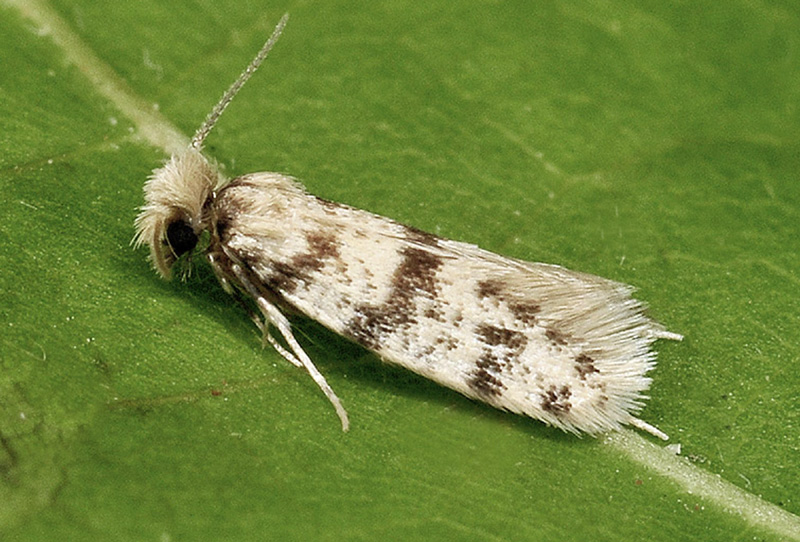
583,304
567,348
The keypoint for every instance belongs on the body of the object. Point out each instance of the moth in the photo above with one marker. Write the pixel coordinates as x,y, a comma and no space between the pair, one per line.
567,348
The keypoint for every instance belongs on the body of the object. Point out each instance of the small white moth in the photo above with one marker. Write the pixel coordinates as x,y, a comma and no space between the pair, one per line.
566,348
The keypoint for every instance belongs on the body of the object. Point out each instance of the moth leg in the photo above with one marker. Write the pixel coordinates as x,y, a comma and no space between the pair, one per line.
664,334
644,426
283,352
298,356
266,337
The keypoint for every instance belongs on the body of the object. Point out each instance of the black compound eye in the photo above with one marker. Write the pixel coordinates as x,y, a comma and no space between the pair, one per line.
181,237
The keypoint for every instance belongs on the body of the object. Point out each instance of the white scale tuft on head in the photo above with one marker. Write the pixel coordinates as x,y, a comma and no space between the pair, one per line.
177,193
176,196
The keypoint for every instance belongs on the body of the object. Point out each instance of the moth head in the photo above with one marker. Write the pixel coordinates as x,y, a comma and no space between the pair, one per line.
177,197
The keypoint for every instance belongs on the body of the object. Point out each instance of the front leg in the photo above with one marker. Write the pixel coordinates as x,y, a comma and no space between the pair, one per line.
273,316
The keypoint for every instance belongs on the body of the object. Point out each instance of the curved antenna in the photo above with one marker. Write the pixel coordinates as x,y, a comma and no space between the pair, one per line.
202,132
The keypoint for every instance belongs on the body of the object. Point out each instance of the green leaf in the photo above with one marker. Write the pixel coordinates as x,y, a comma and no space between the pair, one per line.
651,143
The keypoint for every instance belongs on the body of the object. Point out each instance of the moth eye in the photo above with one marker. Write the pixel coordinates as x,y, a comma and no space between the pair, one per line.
181,237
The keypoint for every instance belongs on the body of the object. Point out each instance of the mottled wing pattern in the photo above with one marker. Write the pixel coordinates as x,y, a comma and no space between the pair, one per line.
567,348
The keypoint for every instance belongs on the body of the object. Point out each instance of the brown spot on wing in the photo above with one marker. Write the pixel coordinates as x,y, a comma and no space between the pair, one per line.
413,282
321,248
282,278
286,276
485,379
448,341
489,288
371,324
322,245
556,400
498,336
434,313
502,347
525,311
585,366
421,237
416,272
557,337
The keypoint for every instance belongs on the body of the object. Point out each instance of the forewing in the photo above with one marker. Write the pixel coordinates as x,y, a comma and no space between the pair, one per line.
567,348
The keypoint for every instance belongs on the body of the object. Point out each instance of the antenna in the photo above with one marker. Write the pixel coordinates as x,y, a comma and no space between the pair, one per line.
202,132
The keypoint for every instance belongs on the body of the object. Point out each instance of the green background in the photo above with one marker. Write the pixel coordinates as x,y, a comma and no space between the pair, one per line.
648,142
